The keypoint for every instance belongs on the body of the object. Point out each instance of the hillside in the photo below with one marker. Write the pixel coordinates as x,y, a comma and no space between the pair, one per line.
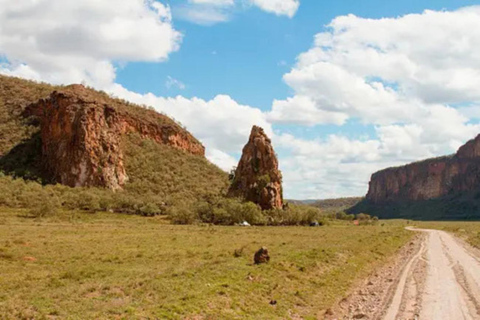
336,204
15,95
80,137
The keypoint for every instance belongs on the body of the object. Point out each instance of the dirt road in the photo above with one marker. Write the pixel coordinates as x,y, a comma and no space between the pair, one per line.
441,281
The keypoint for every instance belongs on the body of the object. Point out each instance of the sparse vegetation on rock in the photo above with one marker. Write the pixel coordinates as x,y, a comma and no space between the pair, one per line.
90,139
105,140
257,178
81,132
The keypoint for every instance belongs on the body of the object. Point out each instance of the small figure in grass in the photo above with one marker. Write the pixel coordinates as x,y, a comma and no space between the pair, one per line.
261,256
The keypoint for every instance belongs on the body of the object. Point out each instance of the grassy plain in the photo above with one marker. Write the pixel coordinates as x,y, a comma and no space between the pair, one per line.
466,230
110,266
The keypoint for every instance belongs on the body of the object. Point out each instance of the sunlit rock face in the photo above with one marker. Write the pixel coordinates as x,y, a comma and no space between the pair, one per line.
429,179
81,133
257,178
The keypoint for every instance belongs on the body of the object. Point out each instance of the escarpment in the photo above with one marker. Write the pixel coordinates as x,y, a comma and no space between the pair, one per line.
81,132
429,179
257,178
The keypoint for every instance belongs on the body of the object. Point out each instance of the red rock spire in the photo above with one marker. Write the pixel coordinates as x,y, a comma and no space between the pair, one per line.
257,177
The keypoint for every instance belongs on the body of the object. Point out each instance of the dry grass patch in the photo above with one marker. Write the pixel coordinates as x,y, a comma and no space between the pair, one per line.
109,266
467,230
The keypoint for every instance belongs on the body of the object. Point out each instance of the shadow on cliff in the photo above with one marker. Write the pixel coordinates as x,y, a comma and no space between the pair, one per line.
25,160
461,206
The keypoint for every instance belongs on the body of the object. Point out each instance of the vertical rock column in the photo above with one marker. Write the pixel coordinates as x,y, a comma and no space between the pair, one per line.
81,142
257,178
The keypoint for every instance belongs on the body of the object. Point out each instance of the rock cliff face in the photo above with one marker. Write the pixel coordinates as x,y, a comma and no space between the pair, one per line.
429,179
257,177
81,133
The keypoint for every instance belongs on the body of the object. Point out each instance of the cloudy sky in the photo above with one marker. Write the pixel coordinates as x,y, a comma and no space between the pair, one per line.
344,88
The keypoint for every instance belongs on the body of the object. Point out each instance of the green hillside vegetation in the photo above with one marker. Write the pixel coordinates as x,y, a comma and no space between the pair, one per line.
162,180
170,175
15,95
160,176
338,204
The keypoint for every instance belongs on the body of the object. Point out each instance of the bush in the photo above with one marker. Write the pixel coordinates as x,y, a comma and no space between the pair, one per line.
204,212
88,201
182,215
252,213
296,215
363,216
365,219
228,211
343,216
150,209
47,207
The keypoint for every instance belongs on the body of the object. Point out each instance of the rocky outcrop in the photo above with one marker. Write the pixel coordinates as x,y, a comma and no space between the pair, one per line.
429,179
81,133
257,178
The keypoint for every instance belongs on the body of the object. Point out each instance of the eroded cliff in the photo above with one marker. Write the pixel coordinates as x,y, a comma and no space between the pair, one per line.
257,178
81,132
429,179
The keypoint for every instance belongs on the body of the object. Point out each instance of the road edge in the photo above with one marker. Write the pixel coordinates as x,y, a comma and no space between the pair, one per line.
371,296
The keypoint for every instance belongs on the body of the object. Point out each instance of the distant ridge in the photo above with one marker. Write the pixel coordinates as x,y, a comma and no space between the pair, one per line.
439,188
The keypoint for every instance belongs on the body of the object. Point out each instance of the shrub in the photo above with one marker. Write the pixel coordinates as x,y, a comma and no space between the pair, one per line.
222,215
89,201
204,212
343,216
252,213
228,211
275,216
150,209
296,215
262,182
363,216
47,207
182,215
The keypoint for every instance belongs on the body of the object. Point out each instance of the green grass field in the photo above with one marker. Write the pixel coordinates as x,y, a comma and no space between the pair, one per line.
466,230
111,266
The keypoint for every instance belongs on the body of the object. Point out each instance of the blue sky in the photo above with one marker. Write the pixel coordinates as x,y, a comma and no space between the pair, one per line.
386,83
250,49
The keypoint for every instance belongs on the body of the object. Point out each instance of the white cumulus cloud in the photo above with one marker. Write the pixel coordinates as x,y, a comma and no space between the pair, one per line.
413,78
278,7
387,70
173,83
205,14
214,2
210,12
222,124
71,41
79,41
